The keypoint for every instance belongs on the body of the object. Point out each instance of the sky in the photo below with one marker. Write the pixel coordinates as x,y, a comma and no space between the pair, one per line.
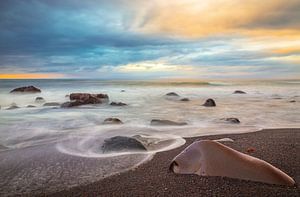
153,39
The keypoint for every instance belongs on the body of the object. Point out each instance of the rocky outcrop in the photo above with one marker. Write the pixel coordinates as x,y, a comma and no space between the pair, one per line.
231,120
78,99
159,122
112,121
209,103
51,104
122,143
39,100
117,104
172,94
26,89
239,92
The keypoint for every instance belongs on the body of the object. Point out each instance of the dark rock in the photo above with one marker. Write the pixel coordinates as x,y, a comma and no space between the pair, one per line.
67,96
112,121
209,103
185,99
78,99
158,122
30,106
232,120
122,143
51,104
12,106
26,89
292,101
172,94
86,97
39,100
117,104
239,92
122,90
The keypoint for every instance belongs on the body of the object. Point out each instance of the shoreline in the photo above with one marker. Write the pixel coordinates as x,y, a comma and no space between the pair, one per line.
276,146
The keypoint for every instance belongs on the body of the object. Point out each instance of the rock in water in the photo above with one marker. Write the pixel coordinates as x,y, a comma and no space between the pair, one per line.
117,104
30,106
122,143
39,100
26,89
112,121
232,120
51,104
78,99
239,92
185,99
158,122
172,94
209,103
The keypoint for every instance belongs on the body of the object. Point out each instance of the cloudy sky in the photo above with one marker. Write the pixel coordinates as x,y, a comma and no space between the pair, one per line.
153,39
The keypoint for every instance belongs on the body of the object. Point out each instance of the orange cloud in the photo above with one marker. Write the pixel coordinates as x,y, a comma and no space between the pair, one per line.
30,75
194,18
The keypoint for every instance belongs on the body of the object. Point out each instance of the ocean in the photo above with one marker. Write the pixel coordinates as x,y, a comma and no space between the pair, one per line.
45,133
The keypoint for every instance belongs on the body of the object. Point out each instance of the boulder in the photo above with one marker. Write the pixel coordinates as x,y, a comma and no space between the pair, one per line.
239,92
78,99
231,120
12,106
158,122
122,90
122,143
30,106
39,100
117,104
172,94
292,101
209,103
26,89
112,121
185,99
51,104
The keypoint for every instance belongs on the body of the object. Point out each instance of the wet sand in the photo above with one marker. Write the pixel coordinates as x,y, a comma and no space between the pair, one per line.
280,147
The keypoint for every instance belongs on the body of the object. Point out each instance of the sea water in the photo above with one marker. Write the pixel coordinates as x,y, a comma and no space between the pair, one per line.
80,132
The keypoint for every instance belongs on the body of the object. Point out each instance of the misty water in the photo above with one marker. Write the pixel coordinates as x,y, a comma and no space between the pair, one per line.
40,143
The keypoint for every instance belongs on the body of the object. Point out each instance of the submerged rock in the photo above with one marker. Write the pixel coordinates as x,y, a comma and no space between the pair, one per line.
39,100
122,143
231,120
12,106
122,90
158,122
117,104
51,104
239,92
26,89
172,94
185,99
209,103
112,121
30,106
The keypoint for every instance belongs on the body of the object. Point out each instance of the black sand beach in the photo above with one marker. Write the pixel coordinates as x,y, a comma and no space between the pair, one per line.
280,147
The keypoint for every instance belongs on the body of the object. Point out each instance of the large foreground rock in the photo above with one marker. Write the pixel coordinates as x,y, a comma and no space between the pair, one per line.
209,103
78,99
122,143
158,122
26,89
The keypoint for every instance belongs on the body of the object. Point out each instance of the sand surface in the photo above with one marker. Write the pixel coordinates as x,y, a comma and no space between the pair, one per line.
280,147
